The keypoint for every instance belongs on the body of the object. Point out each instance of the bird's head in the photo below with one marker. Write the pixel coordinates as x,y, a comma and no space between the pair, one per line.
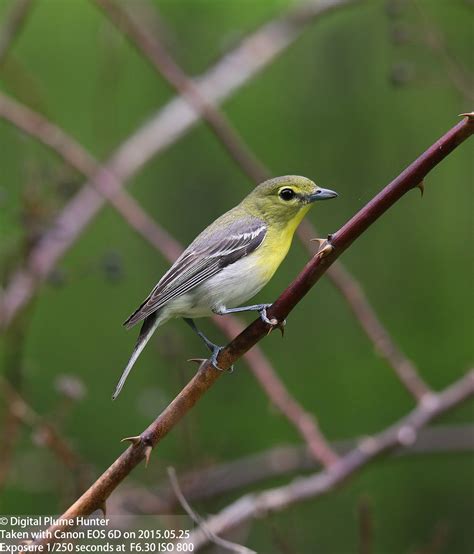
285,199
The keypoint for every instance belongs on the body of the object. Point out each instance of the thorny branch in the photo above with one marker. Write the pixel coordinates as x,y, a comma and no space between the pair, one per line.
153,50
431,406
403,432
105,179
204,108
235,68
77,157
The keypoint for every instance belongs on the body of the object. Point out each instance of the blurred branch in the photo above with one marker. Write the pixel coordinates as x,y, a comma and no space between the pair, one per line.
15,338
211,537
458,75
234,69
430,406
155,52
382,341
101,178
279,461
12,26
47,433
314,486
437,541
104,181
366,525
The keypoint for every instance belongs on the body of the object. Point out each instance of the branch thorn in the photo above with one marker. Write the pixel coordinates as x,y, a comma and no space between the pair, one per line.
325,247
421,186
280,325
148,451
136,440
103,508
199,361
319,241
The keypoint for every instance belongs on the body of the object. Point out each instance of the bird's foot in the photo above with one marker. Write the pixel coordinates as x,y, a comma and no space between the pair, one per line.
273,322
215,353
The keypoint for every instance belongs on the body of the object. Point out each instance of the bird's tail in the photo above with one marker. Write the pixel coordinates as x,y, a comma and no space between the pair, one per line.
148,328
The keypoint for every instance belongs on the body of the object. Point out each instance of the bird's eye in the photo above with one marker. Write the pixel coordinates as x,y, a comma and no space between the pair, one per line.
287,194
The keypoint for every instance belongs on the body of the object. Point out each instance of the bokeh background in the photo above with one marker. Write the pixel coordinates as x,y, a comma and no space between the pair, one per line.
357,97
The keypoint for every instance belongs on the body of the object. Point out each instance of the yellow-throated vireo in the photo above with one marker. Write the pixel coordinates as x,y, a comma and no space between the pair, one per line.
229,262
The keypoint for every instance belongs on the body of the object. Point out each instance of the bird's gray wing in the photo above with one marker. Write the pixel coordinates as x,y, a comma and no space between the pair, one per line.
211,251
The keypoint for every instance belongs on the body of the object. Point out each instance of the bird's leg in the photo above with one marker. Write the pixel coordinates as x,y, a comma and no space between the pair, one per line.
214,348
260,308
200,334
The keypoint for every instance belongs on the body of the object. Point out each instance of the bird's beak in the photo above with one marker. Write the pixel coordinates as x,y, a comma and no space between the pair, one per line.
322,194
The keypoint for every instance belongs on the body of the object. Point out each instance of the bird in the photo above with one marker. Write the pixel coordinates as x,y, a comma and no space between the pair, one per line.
228,263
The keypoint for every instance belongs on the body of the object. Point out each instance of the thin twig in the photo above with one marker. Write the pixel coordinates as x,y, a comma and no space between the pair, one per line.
50,436
458,75
15,339
211,537
437,541
12,26
162,61
10,429
432,405
156,53
319,484
366,525
77,157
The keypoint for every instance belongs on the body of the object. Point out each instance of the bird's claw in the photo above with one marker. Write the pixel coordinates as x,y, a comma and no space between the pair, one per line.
199,361
215,354
213,359
273,322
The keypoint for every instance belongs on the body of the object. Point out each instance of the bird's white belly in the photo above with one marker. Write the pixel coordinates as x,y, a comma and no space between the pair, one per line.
231,287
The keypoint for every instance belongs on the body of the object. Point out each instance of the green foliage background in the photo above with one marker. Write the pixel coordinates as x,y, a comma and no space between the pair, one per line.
350,104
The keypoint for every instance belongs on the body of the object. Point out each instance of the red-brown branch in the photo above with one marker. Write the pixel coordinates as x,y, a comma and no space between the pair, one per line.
96,496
